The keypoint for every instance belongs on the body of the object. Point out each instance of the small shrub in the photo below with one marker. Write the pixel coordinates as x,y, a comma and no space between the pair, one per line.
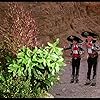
33,71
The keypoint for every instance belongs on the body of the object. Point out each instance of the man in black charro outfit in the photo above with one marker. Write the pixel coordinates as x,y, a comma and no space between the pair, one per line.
76,56
92,49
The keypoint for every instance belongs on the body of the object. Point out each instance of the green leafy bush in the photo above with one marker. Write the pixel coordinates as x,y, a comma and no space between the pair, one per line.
33,71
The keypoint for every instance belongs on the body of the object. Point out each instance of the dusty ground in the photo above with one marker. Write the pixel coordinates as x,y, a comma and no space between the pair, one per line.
64,89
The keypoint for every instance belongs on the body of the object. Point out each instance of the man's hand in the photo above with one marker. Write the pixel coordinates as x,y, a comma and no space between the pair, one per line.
67,48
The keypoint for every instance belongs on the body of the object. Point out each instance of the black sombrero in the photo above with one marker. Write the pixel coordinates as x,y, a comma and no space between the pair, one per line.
71,38
85,34
93,41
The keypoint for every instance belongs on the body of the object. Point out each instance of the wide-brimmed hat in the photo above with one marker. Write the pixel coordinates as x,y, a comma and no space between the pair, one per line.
71,38
85,34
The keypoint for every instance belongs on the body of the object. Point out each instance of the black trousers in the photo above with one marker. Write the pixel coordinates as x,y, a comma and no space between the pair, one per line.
75,66
92,63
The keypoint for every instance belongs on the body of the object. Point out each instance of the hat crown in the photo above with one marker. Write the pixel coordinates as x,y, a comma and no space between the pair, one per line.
86,33
71,37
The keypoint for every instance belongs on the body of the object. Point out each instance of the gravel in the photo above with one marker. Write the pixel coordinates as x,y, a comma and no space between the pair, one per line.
65,89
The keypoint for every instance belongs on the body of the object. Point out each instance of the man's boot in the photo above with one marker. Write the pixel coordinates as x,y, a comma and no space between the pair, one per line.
93,83
72,79
88,81
76,79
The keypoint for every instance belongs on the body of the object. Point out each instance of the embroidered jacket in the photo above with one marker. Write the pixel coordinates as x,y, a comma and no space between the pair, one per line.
76,50
92,49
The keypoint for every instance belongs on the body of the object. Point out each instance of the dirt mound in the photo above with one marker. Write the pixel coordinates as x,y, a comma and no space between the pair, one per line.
60,19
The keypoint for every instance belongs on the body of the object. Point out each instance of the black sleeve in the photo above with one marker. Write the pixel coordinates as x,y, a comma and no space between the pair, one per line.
96,47
81,49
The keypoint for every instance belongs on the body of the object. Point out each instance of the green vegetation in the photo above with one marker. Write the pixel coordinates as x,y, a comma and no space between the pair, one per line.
32,72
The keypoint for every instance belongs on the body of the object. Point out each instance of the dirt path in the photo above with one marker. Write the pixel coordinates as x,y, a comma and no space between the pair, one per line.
64,89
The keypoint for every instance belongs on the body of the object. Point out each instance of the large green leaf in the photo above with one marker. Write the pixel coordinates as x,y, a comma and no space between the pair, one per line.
13,67
40,66
47,82
23,49
49,44
29,52
29,71
54,56
35,50
58,51
19,61
53,65
19,72
56,43
20,55
57,68
40,61
44,62
2,77
53,72
34,58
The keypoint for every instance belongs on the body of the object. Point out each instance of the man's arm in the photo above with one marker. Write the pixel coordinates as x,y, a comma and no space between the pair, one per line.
67,48
96,47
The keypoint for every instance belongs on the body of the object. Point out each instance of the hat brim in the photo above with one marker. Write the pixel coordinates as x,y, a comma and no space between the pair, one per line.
75,39
93,41
85,34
